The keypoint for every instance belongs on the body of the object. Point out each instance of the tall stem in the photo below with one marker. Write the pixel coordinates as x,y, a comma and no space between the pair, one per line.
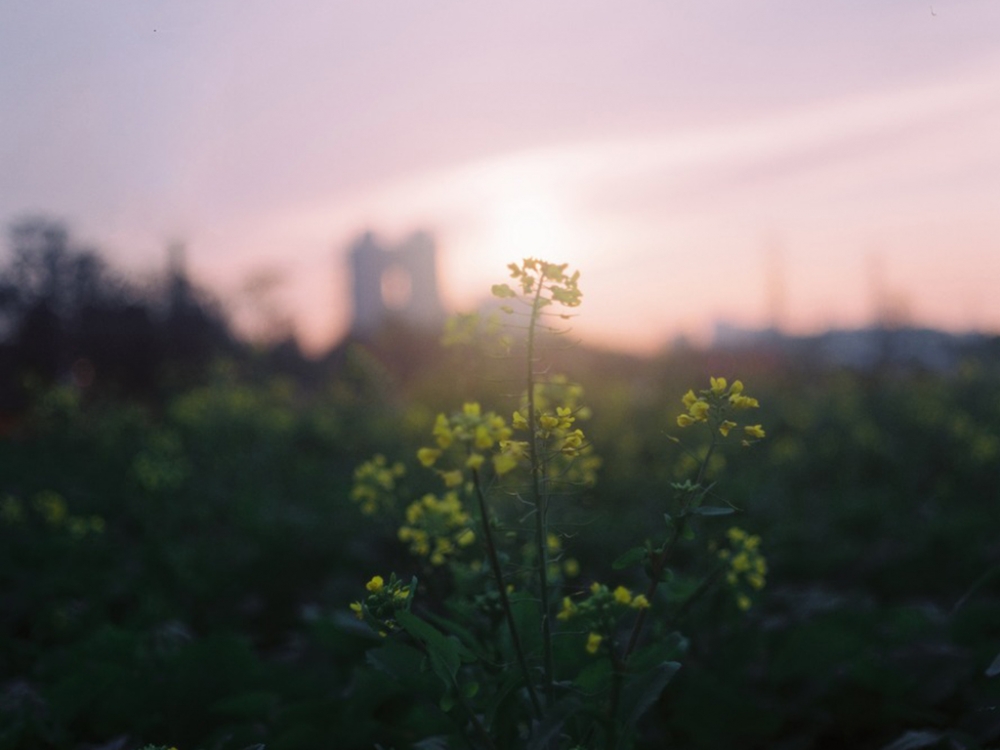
659,563
539,494
491,552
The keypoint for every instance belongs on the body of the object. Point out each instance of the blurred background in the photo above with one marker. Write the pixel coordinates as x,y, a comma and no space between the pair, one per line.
765,164
234,230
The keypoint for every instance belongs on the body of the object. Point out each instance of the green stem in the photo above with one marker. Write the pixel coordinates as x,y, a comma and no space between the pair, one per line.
539,496
491,552
659,564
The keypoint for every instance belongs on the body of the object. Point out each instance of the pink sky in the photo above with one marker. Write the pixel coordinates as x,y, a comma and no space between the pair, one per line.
688,157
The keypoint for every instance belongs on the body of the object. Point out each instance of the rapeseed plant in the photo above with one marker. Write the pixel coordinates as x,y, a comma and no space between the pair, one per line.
513,618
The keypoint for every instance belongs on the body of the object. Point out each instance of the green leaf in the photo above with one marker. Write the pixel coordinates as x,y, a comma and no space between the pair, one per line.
641,692
395,659
595,677
444,651
545,731
469,643
633,557
711,510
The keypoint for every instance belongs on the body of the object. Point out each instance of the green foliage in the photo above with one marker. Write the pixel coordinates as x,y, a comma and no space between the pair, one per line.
182,575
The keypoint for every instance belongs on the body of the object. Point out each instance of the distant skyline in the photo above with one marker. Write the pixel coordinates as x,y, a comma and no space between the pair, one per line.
754,162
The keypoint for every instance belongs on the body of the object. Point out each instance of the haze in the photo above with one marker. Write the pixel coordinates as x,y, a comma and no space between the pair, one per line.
805,165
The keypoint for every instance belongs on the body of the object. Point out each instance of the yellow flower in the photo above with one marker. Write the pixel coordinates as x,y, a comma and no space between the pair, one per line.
428,456
451,478
465,538
699,410
622,595
743,602
736,389
571,567
640,602
689,398
725,427
754,431
594,643
568,609
484,439
743,402
475,461
375,584
470,409
442,431
504,463
572,443
356,609
518,421
741,563
736,534
718,385
685,420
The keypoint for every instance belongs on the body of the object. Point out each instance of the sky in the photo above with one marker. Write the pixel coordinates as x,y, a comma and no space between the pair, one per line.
774,162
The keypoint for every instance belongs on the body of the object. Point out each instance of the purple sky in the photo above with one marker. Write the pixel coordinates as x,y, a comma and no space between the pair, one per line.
700,160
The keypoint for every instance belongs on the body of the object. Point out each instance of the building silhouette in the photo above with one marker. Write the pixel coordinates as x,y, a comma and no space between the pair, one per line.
394,283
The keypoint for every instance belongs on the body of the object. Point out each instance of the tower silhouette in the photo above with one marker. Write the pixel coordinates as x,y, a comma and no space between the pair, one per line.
394,282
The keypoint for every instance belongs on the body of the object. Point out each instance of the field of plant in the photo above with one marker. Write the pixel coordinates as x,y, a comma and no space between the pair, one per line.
507,543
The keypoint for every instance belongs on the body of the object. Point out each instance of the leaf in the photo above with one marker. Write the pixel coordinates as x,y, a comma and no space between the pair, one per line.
549,728
444,651
643,691
633,557
994,669
469,643
511,680
594,678
395,659
711,510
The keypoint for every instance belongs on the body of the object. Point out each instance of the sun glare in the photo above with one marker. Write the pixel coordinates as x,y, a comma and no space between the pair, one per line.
531,226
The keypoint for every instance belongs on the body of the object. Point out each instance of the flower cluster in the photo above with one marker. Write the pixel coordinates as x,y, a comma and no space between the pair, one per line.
471,433
51,508
747,567
600,610
437,528
375,485
714,404
378,608
546,282
557,409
